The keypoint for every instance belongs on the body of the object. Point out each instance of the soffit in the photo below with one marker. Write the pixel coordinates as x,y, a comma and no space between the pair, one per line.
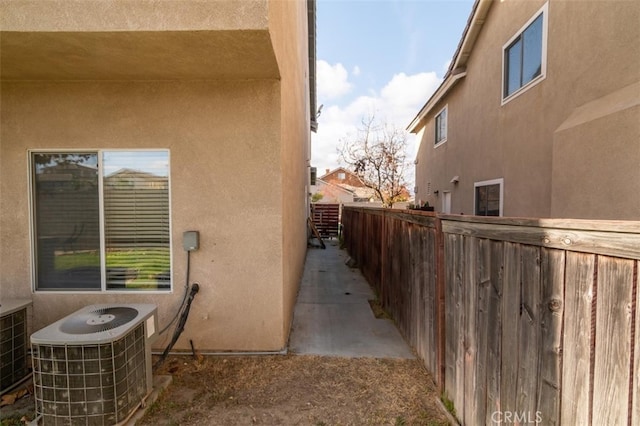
137,55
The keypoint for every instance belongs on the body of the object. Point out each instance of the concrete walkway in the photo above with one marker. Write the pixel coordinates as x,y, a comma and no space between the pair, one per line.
332,315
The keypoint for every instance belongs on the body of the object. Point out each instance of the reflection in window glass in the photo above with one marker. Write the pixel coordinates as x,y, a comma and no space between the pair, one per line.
532,51
67,213
67,221
136,213
523,58
441,126
488,200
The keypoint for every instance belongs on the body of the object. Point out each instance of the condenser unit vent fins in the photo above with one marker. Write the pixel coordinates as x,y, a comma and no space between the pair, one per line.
93,385
13,342
94,366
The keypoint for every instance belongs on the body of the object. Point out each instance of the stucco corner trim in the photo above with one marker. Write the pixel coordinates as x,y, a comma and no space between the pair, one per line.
622,99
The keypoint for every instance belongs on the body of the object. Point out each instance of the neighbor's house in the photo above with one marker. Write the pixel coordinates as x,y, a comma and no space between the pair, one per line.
538,114
125,124
343,187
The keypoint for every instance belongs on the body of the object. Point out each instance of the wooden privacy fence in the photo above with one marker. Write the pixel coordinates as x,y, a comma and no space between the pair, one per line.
521,321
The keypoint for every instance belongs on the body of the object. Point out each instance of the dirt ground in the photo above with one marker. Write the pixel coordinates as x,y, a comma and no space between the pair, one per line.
295,390
283,390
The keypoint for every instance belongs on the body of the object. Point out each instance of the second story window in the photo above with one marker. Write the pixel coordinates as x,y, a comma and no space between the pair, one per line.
441,127
525,55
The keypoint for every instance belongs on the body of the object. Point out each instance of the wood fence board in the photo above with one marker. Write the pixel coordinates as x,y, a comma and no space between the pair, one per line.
576,404
613,334
483,328
470,343
416,271
552,313
455,321
529,332
510,315
598,242
494,338
425,298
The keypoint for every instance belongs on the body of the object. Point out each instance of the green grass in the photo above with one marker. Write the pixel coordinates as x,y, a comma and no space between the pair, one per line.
448,404
144,265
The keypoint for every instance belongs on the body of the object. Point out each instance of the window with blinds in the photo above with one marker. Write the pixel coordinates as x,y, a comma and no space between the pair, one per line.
101,220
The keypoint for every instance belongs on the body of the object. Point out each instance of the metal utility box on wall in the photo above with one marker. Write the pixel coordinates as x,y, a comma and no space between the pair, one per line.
191,240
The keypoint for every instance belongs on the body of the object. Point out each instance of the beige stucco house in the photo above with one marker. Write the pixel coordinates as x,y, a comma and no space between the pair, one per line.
125,124
538,114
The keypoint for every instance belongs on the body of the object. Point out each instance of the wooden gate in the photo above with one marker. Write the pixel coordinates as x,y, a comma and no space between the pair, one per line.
326,218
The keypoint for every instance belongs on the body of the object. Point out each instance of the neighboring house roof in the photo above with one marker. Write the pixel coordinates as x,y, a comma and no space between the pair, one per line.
458,67
350,178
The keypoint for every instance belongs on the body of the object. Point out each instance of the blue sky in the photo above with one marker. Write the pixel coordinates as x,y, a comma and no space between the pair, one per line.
382,58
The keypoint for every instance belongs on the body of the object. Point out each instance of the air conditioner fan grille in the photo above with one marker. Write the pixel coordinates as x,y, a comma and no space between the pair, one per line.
102,319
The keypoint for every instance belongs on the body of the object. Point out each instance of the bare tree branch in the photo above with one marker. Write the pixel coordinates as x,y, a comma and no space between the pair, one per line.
377,155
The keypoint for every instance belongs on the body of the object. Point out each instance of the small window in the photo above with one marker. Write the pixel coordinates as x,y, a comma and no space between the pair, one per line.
488,198
342,176
101,220
524,56
441,126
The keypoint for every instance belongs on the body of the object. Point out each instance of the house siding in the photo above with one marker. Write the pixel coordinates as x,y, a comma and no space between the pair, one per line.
519,141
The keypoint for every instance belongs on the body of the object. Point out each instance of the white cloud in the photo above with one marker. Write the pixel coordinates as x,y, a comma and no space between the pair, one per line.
356,71
396,104
332,80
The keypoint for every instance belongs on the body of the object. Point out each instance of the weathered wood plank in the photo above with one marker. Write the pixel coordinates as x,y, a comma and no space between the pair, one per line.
576,343
510,315
600,242
470,343
494,339
483,328
440,313
613,335
430,303
579,224
552,313
529,337
454,377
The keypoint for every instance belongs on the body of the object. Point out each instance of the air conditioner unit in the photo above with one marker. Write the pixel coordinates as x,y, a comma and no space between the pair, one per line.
13,342
93,367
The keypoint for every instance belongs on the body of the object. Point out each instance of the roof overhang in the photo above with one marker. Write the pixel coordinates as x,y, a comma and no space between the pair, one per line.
137,55
141,40
458,67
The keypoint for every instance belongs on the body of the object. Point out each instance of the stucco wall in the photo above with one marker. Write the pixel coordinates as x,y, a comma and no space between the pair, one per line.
588,57
224,143
224,86
288,29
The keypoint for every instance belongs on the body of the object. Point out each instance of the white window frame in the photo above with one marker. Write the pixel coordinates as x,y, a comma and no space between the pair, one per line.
32,227
499,181
446,127
544,10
